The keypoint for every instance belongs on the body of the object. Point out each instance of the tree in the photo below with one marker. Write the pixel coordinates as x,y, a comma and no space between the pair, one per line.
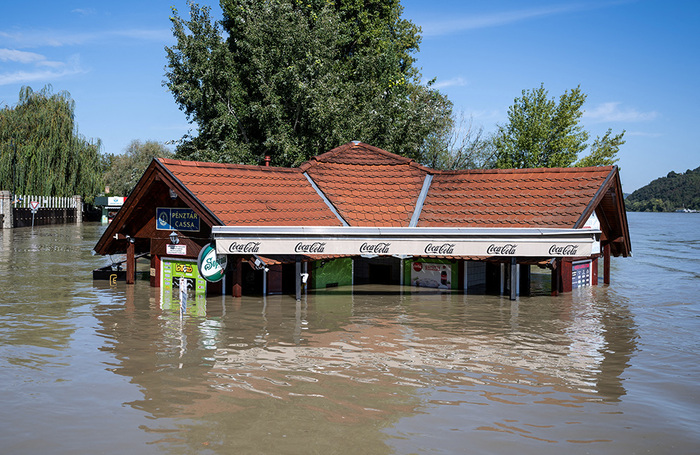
293,79
462,146
124,171
542,132
41,151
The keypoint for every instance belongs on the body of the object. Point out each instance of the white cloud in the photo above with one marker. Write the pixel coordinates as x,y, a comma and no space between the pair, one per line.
454,82
84,11
57,38
452,25
612,112
13,55
643,134
39,72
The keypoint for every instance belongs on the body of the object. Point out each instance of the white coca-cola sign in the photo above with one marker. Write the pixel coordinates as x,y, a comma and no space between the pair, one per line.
244,247
375,248
563,250
439,248
310,247
507,249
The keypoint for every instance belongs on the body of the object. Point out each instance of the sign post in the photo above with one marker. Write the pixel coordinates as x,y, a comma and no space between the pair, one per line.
34,205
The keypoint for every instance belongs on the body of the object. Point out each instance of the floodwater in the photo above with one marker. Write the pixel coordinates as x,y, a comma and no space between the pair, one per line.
88,368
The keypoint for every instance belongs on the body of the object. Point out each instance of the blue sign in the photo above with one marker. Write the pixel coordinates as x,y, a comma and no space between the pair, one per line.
176,219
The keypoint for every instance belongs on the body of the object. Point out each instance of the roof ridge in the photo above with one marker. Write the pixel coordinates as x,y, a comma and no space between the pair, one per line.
328,156
532,170
209,164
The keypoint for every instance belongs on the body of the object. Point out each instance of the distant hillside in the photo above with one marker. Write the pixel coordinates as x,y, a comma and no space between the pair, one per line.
666,194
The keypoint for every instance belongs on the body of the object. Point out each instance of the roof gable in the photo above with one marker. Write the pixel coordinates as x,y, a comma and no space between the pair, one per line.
368,186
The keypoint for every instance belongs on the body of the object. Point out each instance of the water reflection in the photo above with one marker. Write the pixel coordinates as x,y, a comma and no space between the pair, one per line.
260,371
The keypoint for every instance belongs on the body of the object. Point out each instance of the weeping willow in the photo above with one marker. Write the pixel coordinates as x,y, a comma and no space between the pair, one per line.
41,152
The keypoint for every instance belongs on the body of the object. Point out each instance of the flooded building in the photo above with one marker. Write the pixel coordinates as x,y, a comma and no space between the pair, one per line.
358,215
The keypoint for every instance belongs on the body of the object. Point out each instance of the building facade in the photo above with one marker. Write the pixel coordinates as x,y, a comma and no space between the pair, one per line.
179,207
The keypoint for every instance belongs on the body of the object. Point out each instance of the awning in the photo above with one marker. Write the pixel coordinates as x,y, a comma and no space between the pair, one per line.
406,241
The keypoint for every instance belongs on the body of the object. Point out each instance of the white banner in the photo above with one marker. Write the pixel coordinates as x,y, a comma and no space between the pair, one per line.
537,247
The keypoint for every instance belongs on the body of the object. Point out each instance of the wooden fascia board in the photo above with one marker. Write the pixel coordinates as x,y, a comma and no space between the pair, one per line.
126,211
189,198
623,217
612,181
595,201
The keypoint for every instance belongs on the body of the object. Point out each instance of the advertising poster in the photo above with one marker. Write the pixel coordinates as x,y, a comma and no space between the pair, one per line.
430,275
196,286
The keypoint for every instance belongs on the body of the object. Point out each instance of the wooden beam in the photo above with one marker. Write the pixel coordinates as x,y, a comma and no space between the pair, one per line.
556,271
606,263
237,289
131,262
594,272
566,276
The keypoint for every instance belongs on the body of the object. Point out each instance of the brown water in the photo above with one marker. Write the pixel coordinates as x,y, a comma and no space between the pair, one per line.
88,368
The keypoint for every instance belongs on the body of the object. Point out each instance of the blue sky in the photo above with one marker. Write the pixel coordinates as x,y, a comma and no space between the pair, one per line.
638,62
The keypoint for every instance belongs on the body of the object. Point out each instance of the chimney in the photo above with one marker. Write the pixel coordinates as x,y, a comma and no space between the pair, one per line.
267,160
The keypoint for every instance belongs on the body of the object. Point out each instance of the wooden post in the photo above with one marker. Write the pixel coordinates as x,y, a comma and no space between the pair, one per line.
131,262
606,264
236,289
566,276
155,271
594,272
556,269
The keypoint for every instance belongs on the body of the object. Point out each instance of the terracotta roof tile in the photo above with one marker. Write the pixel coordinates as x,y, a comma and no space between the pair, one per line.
511,197
253,195
368,186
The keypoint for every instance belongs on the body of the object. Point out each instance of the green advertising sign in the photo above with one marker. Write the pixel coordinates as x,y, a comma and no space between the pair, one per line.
173,270
211,266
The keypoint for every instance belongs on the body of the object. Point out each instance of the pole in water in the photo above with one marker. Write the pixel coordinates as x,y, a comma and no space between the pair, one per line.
183,294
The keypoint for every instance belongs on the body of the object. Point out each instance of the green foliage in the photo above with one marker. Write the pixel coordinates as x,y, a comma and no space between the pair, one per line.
666,194
124,171
460,147
41,152
293,79
542,132
603,151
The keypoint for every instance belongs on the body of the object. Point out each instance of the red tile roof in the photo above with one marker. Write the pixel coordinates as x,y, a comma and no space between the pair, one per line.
368,186
550,197
371,187
253,195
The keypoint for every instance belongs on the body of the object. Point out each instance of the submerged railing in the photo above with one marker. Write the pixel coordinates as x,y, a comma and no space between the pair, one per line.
28,210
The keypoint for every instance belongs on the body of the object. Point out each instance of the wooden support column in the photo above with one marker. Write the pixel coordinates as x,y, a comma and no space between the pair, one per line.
237,288
606,264
594,272
131,262
566,276
556,270
155,271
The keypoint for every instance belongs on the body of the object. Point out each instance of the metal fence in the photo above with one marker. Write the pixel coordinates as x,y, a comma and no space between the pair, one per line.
44,202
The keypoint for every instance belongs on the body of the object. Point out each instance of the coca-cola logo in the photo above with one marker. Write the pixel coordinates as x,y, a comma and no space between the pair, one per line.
501,250
444,248
375,248
315,247
563,250
417,266
248,247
